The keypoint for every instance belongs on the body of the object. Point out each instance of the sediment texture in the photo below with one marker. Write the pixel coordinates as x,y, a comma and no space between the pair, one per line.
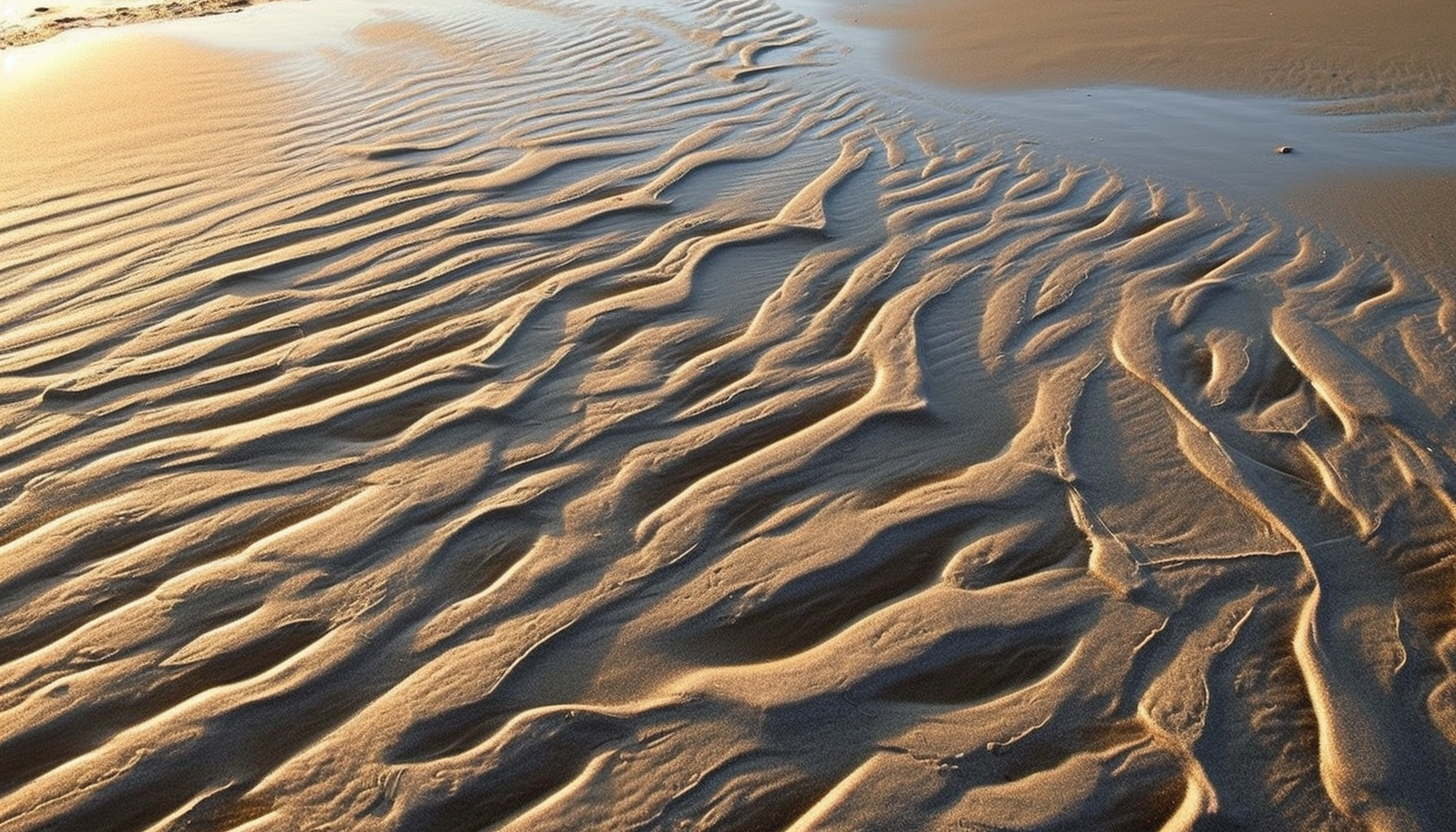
41,23
636,422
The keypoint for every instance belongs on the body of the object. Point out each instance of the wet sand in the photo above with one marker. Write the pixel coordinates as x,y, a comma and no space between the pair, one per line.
1412,215
1370,53
519,416
1392,63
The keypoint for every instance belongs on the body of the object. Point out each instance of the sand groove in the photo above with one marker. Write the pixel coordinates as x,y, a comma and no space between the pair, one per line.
666,431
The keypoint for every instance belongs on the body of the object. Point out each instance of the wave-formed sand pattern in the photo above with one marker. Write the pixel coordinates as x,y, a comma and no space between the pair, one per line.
656,429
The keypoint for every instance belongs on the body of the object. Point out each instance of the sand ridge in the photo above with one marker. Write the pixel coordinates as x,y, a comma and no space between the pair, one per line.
638,422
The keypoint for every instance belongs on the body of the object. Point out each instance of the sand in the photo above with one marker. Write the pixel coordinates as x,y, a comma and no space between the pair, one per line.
1393,64
1410,214
524,416
1372,53
23,23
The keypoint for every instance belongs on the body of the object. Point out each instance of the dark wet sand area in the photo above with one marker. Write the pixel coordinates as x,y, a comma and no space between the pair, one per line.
1400,50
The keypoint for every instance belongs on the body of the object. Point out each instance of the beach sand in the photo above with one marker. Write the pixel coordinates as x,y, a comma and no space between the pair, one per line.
1392,62
1411,213
1371,53
532,416
23,23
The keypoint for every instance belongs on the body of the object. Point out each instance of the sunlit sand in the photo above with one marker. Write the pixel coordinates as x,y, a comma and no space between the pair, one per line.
583,416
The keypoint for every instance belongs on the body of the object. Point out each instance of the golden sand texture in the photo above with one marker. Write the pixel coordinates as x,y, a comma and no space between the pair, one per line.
1378,55
91,118
33,22
1410,212
568,421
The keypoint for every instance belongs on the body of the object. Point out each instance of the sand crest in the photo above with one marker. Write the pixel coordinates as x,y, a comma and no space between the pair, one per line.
524,417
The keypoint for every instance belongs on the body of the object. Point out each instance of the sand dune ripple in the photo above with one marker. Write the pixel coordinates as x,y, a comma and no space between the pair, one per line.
635,422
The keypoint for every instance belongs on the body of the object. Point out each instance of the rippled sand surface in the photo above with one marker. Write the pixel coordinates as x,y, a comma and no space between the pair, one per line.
536,417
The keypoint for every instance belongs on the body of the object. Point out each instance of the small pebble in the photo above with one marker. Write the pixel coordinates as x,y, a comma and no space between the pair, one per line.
1283,148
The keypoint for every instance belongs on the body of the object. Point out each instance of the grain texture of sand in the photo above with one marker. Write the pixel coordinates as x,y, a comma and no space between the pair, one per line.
22,24
1411,212
1372,55
532,416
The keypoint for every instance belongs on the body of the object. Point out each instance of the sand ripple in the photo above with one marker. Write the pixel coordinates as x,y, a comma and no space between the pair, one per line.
634,422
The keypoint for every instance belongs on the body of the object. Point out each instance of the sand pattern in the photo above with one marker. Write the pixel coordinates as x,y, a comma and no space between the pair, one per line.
632,421
41,22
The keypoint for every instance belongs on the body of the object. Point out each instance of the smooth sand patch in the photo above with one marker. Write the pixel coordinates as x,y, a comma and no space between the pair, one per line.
1401,49
87,113
24,22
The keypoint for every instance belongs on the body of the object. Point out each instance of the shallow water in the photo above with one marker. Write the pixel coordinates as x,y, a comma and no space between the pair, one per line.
1216,140
554,420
